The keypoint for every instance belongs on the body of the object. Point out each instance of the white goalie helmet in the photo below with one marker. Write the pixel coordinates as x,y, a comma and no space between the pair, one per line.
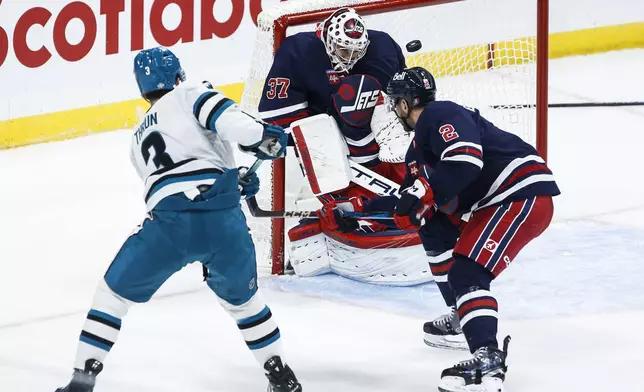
345,38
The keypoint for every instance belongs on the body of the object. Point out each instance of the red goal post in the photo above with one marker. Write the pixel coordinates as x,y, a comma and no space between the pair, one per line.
317,10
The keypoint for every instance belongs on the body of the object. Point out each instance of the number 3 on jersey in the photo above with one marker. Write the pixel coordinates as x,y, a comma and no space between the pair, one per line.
161,158
274,83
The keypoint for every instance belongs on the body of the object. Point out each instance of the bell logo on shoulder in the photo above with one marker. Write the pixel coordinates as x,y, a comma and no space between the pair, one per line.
353,28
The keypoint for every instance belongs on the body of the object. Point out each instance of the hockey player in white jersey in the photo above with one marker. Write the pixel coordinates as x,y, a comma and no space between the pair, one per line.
182,151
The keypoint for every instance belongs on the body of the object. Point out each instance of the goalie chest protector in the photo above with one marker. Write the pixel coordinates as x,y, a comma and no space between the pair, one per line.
302,75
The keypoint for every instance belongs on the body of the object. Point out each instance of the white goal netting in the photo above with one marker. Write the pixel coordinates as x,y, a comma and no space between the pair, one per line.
481,52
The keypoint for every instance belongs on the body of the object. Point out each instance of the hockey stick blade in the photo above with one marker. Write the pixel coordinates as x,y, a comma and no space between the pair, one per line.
258,212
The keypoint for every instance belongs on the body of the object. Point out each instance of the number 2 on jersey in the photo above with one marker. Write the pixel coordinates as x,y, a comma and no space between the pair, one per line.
161,158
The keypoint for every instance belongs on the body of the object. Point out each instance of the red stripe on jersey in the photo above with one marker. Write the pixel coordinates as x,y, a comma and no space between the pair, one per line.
286,121
440,269
492,242
524,171
465,150
371,149
477,303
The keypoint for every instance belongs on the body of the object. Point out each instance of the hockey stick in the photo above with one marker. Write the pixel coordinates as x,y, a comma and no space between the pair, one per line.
362,176
372,181
258,212
253,168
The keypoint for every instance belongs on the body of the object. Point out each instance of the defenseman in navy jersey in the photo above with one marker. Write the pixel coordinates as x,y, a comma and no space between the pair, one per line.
182,151
461,163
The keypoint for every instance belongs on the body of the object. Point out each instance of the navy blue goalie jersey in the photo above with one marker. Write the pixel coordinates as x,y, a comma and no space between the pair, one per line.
472,164
302,83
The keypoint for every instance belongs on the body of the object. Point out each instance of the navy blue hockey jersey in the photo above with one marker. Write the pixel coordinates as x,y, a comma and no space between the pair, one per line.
302,83
470,163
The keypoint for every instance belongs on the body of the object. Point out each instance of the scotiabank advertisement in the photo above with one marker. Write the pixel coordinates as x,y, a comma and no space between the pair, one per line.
62,54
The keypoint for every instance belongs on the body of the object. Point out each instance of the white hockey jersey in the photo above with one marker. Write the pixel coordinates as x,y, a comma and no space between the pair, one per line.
185,140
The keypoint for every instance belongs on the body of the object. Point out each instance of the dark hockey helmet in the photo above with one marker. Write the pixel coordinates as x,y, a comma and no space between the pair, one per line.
415,85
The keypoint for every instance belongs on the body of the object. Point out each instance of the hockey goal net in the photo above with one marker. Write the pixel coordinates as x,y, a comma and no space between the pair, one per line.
486,54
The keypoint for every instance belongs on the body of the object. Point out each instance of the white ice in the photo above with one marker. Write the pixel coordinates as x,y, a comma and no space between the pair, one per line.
573,301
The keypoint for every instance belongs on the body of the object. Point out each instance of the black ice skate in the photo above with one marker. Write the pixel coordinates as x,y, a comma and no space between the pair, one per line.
280,377
445,332
485,372
84,380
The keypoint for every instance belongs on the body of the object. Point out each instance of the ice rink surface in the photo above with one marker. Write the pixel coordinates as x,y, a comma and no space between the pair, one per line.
573,301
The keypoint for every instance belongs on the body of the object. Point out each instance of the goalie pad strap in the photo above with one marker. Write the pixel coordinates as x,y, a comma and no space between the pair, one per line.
306,158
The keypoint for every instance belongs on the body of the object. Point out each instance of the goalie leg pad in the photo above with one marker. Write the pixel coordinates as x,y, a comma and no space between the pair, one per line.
308,251
395,259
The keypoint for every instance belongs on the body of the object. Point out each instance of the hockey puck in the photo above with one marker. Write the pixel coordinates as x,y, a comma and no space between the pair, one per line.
414,46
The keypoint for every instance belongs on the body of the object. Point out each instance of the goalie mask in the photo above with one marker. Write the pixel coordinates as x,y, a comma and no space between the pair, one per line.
345,38
416,87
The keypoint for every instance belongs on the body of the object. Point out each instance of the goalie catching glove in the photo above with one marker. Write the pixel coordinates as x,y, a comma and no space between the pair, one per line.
331,214
390,135
415,205
272,146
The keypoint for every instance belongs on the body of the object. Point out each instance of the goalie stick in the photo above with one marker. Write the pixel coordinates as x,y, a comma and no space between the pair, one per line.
364,177
258,212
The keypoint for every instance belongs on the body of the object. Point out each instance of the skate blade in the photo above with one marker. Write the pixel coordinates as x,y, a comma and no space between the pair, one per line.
449,342
455,384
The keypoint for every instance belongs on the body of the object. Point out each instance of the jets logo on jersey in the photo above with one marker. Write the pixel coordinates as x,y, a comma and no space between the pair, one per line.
448,132
362,99
353,28
356,99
